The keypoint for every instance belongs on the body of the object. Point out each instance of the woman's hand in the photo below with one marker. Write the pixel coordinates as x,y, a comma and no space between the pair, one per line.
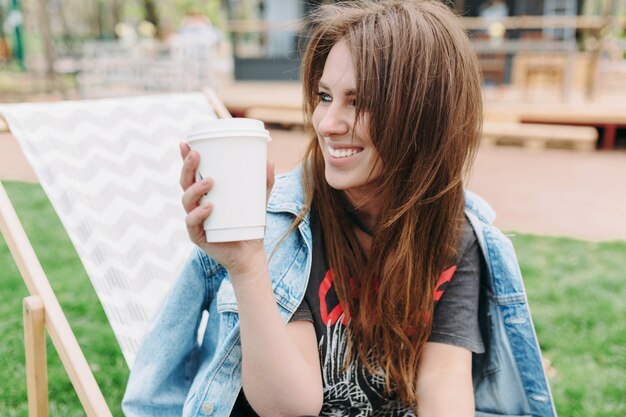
271,350
239,258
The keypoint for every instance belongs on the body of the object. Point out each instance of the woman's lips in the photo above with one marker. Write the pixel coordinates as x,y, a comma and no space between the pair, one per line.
344,156
341,153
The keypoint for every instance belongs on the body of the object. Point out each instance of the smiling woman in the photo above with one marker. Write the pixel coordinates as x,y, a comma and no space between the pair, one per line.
372,292
392,91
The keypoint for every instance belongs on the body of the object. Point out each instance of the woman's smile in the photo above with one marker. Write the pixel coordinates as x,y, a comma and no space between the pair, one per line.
341,155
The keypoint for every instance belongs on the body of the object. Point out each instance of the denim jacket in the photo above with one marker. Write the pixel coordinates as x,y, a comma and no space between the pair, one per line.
175,375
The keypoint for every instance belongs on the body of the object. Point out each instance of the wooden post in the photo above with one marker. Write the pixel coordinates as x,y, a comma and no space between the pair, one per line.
36,366
56,323
599,34
220,110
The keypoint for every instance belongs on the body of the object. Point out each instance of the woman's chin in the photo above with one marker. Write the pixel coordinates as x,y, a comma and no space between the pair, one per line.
343,181
349,181
338,182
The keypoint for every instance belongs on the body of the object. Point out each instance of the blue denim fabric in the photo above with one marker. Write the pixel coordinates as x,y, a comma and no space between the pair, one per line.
174,375
509,378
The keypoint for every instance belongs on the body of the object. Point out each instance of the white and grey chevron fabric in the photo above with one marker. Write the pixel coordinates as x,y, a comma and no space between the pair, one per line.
110,169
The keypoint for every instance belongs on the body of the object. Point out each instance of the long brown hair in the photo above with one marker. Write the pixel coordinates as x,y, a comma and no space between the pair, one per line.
418,80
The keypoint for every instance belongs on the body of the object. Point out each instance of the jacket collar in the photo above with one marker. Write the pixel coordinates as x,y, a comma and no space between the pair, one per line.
477,206
288,193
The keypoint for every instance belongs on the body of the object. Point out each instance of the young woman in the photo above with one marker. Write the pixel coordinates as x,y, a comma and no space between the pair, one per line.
364,298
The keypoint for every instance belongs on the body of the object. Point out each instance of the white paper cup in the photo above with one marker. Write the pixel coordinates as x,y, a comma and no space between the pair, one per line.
233,152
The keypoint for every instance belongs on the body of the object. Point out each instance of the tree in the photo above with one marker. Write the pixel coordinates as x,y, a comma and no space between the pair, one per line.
117,11
151,14
52,80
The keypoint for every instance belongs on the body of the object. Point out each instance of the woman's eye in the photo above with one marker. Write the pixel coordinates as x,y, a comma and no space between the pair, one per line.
324,97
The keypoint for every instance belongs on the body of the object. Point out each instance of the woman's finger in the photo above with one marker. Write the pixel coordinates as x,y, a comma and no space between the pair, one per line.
184,149
188,172
195,218
191,197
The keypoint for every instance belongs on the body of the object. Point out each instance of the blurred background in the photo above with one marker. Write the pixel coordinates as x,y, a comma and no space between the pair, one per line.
573,48
552,161
554,79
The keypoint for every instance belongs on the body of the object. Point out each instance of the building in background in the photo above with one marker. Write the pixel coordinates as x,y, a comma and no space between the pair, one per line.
268,43
265,38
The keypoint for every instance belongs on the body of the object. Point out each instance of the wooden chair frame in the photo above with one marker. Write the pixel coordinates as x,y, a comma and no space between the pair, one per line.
42,311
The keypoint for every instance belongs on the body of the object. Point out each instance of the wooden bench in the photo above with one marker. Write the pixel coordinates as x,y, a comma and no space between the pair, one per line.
530,135
607,116
285,116
538,136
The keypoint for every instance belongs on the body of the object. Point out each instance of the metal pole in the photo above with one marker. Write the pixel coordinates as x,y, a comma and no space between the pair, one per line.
16,17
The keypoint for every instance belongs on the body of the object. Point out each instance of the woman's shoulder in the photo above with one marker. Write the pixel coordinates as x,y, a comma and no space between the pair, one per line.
468,240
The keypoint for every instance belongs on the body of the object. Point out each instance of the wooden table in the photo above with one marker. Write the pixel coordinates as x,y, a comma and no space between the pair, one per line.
607,117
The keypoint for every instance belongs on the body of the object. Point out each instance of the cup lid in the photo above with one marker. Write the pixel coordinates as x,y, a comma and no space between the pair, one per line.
219,127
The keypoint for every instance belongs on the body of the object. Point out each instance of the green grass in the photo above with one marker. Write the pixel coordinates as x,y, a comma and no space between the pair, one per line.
79,301
577,293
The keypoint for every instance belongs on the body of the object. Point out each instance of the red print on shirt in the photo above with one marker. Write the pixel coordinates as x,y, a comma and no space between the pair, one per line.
442,283
330,318
336,312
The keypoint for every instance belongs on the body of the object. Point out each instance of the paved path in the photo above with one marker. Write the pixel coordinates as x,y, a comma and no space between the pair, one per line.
550,192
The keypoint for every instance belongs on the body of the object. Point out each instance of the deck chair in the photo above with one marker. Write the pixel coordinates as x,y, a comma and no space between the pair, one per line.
110,169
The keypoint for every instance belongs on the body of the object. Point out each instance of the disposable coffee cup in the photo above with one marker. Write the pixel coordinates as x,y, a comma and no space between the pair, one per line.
233,152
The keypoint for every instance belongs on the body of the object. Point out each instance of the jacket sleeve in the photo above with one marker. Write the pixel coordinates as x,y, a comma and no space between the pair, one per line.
167,359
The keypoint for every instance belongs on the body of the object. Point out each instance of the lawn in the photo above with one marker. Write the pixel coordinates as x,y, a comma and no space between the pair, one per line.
577,293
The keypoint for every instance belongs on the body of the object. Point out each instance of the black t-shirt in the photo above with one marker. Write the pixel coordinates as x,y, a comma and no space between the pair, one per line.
356,392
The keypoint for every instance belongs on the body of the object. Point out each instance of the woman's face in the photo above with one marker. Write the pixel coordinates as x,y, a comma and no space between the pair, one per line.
350,158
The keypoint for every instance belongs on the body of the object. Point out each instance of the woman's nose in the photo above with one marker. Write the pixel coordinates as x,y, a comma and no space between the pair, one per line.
334,121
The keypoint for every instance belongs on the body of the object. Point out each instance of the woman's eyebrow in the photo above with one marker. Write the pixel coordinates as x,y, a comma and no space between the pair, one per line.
348,92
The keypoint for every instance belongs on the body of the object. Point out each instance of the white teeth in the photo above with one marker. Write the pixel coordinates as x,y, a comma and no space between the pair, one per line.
342,153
